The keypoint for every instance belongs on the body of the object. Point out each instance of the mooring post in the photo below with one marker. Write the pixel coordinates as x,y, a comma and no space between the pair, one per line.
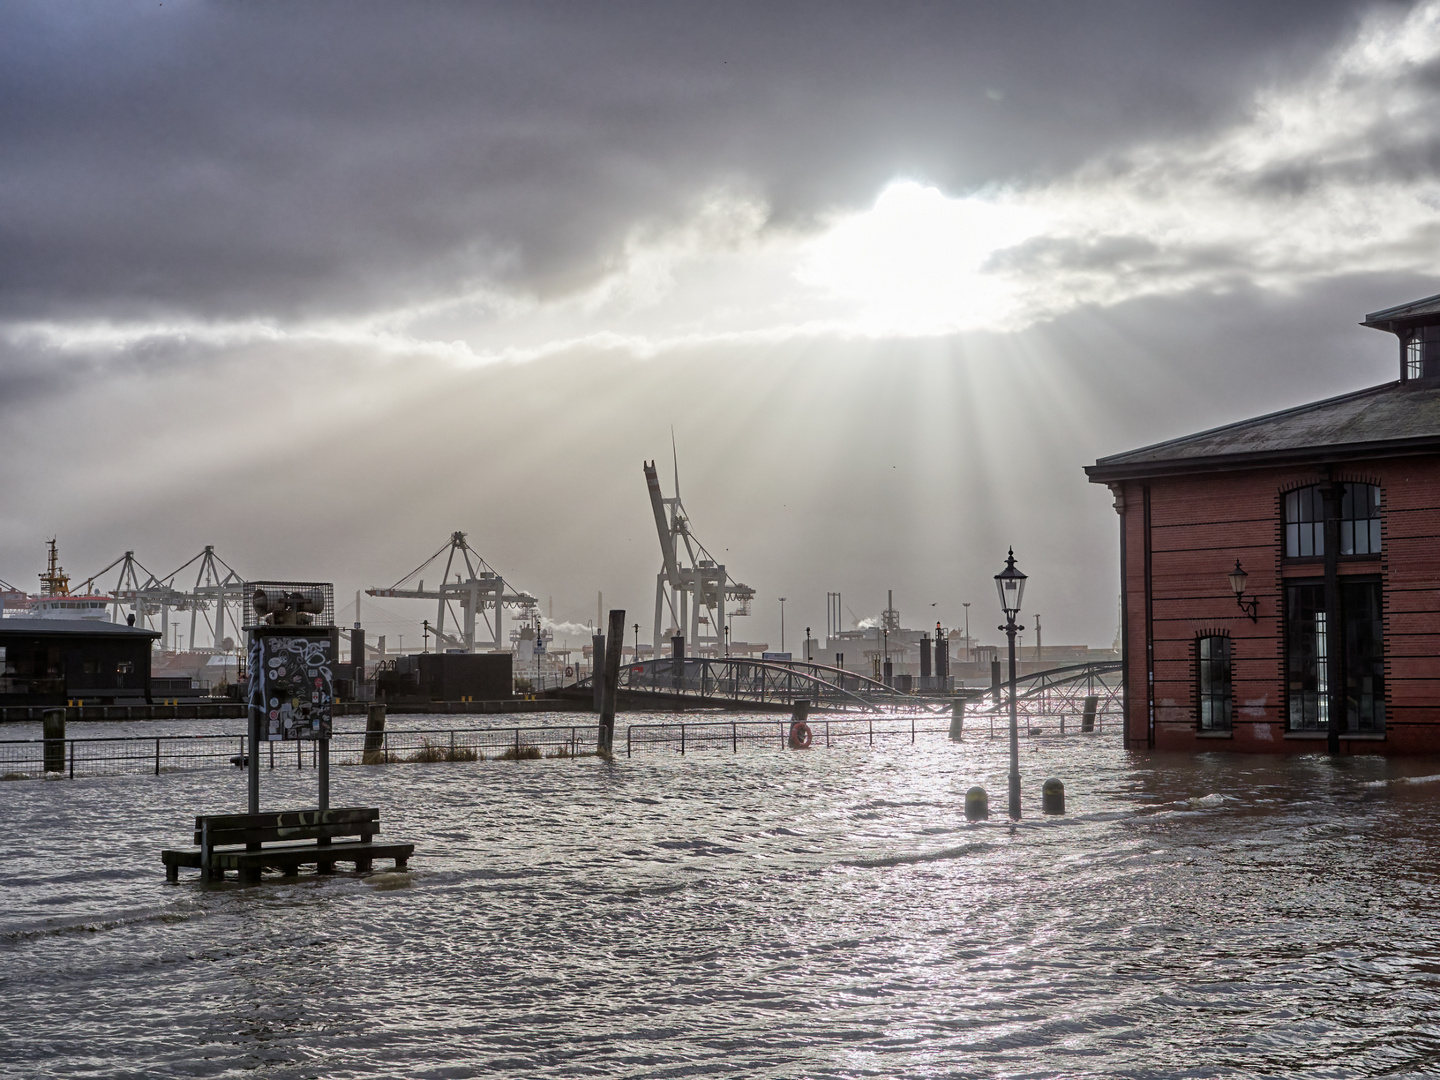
53,730
375,727
613,643
957,720
1052,796
977,804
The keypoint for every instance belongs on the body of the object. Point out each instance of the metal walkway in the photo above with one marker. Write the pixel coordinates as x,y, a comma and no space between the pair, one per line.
736,683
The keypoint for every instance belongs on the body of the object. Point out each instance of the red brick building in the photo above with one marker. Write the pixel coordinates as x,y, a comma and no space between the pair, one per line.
1331,510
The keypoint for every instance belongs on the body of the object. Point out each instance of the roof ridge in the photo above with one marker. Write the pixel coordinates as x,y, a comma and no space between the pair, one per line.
1383,312
1291,411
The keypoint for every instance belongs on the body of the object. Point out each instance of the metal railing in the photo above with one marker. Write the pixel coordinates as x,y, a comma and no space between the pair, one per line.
25,759
689,736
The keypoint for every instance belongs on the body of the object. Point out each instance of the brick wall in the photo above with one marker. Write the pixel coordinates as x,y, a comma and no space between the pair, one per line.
1198,527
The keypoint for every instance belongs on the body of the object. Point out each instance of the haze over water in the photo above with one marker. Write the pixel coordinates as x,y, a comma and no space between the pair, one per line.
763,914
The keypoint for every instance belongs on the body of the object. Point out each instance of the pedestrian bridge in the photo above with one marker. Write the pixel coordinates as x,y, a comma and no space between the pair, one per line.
743,683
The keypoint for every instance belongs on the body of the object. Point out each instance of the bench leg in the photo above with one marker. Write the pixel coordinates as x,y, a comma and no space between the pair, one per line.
325,868
172,872
291,871
362,866
401,861
251,875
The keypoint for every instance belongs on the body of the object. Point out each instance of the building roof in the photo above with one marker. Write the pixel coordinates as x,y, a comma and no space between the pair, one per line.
74,627
1386,318
1394,418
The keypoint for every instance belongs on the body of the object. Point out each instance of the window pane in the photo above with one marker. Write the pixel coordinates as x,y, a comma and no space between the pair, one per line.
1303,670
1364,656
1213,683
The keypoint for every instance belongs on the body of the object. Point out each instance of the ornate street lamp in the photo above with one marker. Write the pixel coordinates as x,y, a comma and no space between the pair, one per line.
1250,607
1010,584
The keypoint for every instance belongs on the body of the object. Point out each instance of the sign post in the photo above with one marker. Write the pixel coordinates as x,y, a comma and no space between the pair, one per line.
292,685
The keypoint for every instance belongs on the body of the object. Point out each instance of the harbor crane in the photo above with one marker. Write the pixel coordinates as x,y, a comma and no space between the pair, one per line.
692,589
217,586
479,592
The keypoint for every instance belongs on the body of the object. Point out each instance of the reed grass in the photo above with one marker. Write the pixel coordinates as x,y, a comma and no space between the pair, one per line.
520,753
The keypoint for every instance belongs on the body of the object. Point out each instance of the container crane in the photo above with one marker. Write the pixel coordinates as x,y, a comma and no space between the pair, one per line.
481,591
691,587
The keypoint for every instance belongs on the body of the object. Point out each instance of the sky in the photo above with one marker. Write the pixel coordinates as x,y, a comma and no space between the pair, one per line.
320,286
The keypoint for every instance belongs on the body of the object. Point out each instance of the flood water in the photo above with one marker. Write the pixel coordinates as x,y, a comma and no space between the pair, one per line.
770,914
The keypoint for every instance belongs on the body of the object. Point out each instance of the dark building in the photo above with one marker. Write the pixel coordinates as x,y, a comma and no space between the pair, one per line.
448,677
55,661
1280,576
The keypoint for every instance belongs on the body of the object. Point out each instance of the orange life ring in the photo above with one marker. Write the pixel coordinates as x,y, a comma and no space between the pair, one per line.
800,735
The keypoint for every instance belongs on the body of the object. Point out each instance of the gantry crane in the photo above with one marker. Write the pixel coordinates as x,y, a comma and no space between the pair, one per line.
481,591
693,596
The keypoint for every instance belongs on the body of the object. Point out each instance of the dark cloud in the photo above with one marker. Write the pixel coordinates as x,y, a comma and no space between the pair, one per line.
221,160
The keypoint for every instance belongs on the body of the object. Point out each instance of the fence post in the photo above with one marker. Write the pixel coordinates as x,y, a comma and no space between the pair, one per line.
682,738
517,744
72,759
827,733
734,739
912,729
627,740
157,757
871,722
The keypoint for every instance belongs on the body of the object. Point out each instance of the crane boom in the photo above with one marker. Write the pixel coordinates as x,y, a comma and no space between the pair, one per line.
667,541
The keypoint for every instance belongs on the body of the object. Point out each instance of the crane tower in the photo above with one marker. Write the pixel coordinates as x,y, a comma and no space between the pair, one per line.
691,589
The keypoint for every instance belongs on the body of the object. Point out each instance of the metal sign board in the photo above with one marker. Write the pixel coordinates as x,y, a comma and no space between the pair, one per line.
291,683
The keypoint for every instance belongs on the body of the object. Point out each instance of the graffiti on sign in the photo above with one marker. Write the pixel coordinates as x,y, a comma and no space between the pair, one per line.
292,686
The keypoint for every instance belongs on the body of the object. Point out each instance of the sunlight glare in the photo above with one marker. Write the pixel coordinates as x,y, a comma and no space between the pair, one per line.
915,262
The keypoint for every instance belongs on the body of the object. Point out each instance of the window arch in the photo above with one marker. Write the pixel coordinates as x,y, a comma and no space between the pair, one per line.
1214,700
1359,521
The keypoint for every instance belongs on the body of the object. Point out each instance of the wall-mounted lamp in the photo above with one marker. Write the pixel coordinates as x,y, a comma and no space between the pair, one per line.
1250,607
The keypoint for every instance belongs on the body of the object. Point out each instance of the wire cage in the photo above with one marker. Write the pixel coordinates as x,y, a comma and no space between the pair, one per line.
289,603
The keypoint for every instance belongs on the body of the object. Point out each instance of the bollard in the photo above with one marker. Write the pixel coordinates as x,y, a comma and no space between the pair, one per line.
375,727
957,720
1052,796
1087,718
977,804
54,733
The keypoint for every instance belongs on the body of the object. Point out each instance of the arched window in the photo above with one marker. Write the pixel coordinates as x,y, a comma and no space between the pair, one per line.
1212,682
1359,521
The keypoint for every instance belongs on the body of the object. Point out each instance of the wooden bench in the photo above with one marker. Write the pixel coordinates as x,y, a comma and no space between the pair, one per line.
284,841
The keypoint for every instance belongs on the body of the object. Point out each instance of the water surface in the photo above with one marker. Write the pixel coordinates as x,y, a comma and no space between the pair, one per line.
820,914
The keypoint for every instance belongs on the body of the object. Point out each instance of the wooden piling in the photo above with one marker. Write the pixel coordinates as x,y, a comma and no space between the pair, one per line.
53,721
957,720
375,727
1087,718
613,643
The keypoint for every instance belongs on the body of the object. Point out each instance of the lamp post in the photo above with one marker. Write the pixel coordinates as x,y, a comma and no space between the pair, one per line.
637,643
968,656
1010,584
782,624
807,644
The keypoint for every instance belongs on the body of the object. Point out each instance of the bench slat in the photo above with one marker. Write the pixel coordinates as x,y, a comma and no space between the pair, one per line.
287,832
335,816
